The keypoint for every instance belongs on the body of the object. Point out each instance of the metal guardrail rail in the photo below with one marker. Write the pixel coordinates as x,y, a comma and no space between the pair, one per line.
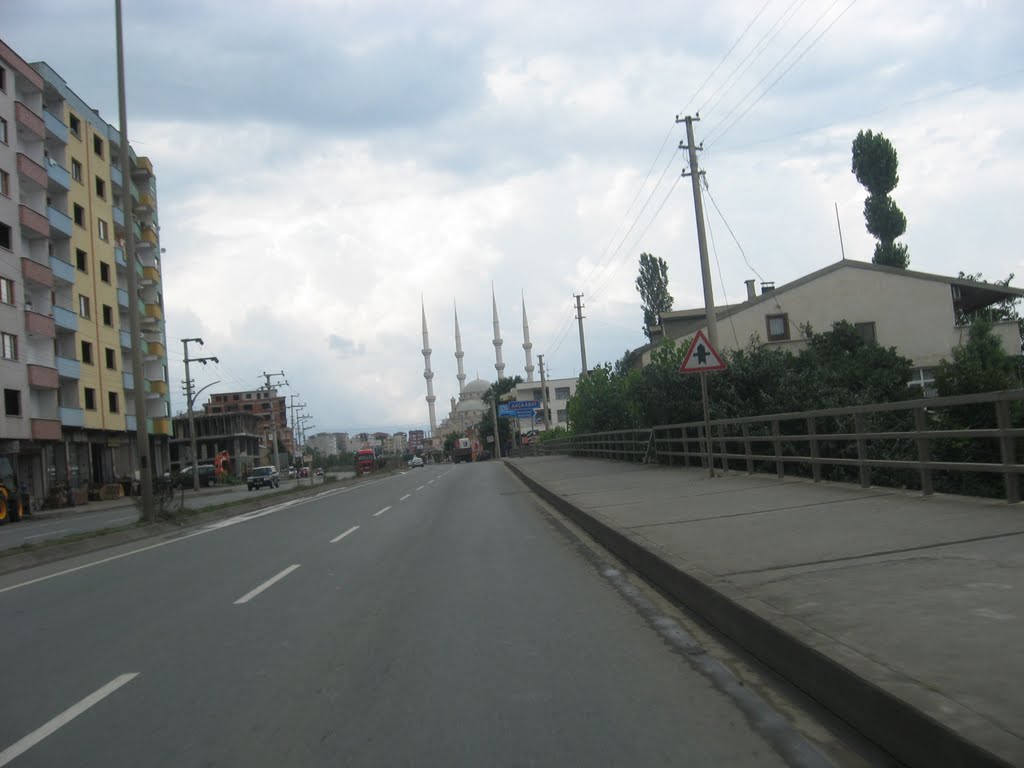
835,437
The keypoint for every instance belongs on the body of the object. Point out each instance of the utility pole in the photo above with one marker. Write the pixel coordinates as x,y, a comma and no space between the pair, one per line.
190,398
583,343
702,240
134,321
494,421
543,392
273,414
295,427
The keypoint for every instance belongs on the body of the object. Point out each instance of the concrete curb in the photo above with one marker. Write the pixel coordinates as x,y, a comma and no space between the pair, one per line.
910,735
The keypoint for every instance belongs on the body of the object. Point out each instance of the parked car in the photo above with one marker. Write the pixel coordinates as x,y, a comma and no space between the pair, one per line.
319,471
304,472
292,472
264,477
207,476
415,461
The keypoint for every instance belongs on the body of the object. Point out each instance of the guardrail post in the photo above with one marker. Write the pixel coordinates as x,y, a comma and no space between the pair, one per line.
745,430
1007,446
780,467
862,451
923,448
812,430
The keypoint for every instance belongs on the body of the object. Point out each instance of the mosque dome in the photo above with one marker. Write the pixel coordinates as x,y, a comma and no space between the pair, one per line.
477,386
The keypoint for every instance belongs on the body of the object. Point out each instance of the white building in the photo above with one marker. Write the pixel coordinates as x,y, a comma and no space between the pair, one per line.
559,392
324,443
915,312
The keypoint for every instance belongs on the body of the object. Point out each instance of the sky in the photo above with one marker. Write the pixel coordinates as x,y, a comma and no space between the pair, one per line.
323,166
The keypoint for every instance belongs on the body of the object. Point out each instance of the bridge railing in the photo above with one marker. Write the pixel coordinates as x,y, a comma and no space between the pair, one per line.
917,444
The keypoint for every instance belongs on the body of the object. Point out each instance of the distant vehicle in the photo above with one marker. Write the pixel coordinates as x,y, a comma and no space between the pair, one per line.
304,472
462,450
292,473
366,461
319,471
207,476
415,461
264,477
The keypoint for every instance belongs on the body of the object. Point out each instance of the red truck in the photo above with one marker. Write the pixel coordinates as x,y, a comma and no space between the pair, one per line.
366,461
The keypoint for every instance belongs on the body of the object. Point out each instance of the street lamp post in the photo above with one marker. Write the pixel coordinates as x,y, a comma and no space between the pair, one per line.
191,412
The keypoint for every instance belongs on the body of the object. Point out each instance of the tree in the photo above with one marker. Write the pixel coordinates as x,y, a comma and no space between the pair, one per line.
875,165
600,402
449,441
505,426
980,365
652,284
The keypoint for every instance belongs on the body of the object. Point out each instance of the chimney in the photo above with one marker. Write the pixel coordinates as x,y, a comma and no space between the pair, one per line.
767,288
750,289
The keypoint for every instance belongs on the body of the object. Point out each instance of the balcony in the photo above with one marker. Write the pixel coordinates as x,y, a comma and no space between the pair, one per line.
55,127
68,368
126,340
116,178
118,214
160,426
37,324
143,167
29,120
31,171
119,257
154,311
158,387
42,377
151,275
62,271
60,222
146,203
129,422
128,380
36,272
65,319
149,236
71,417
157,349
122,298
46,429
33,224
59,176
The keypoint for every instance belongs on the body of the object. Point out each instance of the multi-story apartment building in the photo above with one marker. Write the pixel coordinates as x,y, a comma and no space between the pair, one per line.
559,392
267,404
69,411
325,443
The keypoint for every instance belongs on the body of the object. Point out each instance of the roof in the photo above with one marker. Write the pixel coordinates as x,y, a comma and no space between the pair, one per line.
477,385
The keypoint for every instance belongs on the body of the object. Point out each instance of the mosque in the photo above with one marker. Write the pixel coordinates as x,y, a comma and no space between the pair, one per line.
469,409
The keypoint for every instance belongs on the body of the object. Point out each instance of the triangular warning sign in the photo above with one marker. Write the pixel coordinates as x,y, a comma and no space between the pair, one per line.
702,356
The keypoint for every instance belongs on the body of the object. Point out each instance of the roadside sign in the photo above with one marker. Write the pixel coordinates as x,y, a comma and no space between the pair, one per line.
702,356
518,408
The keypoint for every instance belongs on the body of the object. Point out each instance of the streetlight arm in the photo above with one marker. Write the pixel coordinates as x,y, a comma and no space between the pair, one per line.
196,394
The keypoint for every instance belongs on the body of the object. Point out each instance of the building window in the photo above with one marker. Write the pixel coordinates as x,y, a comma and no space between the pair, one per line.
112,401
101,227
90,399
97,145
10,346
5,236
82,260
3,80
76,171
6,290
3,130
247,407
234,397
5,184
925,379
778,327
111,359
76,127
78,214
108,315
866,331
104,272
84,308
101,188
12,402
87,352
563,416
561,393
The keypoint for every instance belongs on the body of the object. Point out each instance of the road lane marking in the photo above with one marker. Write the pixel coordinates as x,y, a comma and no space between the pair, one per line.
64,718
48,533
381,512
265,585
405,497
336,539
421,488
430,481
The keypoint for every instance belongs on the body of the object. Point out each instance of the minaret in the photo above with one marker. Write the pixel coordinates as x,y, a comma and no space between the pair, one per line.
427,373
527,344
459,354
499,366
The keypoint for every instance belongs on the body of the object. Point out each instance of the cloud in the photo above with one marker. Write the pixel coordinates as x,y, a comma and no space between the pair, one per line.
344,348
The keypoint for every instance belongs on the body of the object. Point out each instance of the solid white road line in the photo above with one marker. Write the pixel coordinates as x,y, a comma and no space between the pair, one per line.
64,718
421,488
336,539
405,497
265,585
429,482
381,512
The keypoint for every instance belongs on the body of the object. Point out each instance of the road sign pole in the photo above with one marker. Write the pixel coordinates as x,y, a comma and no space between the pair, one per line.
707,422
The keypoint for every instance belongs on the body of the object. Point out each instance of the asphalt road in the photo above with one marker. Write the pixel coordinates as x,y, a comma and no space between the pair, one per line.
433,618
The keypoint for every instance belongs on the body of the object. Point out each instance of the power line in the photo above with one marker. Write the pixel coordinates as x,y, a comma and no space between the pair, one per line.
707,192
721,279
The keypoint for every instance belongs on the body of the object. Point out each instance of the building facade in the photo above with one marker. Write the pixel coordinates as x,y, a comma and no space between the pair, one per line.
559,392
268,406
324,443
240,434
69,412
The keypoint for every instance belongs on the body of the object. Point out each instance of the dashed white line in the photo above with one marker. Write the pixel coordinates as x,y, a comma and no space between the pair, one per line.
265,585
336,539
405,497
421,488
381,512
429,482
65,717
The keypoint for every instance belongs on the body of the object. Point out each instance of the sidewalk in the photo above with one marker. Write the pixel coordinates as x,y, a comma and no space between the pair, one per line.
902,614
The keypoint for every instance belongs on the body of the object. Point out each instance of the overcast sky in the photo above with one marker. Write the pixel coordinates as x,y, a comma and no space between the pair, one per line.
321,164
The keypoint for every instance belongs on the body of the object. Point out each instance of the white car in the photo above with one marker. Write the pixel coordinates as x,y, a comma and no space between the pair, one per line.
415,461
